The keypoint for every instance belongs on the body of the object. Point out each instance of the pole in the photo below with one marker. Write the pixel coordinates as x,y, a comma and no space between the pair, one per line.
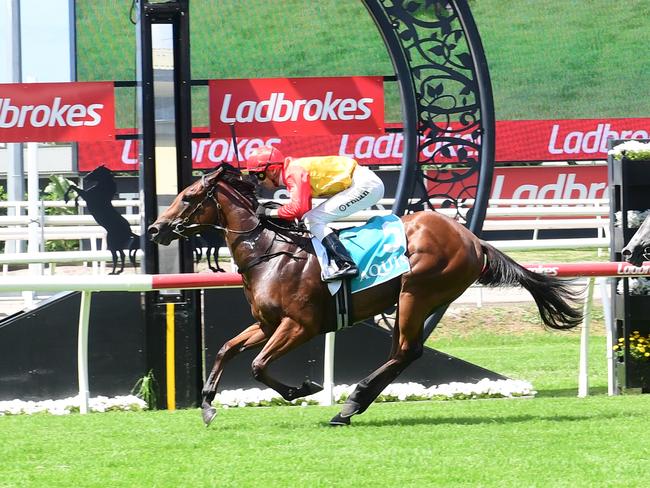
583,372
610,329
33,203
33,229
327,395
15,171
82,351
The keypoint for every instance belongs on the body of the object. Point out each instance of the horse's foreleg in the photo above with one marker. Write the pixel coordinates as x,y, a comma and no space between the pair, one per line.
289,335
252,337
407,347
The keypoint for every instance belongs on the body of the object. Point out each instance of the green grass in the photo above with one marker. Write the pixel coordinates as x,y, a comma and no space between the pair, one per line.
541,256
551,365
555,439
542,442
548,59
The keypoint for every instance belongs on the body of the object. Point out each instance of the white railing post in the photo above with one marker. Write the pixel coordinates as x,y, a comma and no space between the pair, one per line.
326,397
583,371
610,330
82,350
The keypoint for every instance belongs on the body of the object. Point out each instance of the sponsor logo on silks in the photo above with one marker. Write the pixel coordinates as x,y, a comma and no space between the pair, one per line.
361,196
379,249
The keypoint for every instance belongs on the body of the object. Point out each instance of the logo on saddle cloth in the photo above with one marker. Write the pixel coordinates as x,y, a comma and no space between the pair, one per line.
378,248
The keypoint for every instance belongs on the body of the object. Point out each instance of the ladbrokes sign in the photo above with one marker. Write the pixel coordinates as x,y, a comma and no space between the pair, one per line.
57,112
291,106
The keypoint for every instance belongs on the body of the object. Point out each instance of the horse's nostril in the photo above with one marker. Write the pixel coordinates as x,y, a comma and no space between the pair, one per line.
626,252
153,230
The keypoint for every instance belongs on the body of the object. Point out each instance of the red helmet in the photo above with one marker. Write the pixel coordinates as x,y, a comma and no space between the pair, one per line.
261,158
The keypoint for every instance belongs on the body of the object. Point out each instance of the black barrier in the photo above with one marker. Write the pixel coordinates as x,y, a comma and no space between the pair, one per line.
38,348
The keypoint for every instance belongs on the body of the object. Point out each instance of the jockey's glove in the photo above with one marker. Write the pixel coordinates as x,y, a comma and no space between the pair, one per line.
263,212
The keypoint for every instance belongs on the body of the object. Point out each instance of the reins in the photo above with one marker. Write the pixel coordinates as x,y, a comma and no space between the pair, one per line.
181,227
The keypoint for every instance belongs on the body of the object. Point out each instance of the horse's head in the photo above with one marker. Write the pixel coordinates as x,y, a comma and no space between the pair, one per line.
99,174
638,248
202,205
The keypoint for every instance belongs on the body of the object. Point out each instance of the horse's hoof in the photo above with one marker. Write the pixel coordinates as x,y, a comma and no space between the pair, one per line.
338,421
209,413
350,408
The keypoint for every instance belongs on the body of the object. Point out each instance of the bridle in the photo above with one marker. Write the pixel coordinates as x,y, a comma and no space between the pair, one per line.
184,225
180,228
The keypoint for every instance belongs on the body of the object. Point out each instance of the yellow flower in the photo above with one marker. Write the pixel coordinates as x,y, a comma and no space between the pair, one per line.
641,339
647,354
616,348
621,339
636,332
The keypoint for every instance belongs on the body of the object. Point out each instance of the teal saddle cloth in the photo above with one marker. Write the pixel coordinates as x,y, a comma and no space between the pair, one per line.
378,248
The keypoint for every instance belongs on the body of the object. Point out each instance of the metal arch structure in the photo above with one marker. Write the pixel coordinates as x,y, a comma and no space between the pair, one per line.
447,108
447,105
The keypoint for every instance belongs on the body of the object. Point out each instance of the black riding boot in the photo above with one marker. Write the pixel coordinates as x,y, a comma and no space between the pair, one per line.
337,252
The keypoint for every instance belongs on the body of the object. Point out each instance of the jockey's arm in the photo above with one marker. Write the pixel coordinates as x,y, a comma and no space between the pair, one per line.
296,179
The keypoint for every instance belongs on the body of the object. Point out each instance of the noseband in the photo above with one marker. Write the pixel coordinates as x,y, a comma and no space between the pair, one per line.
184,225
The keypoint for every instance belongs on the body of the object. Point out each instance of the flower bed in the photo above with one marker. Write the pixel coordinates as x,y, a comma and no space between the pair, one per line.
392,393
633,150
69,405
256,397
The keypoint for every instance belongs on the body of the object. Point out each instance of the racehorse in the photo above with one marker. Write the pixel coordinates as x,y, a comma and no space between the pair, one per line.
291,305
638,249
98,200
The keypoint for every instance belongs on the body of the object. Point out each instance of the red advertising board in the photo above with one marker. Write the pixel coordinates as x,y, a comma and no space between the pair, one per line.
539,182
564,140
57,112
517,141
291,106
550,182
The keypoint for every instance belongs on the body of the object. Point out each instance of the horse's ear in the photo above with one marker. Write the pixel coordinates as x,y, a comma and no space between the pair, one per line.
211,177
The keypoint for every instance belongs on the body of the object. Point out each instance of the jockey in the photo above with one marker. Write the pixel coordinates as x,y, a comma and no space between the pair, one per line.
347,186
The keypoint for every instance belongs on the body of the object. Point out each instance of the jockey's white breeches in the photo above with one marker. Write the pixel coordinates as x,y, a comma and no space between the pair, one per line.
365,191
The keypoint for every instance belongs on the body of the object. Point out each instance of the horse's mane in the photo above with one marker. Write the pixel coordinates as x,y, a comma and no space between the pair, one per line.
233,177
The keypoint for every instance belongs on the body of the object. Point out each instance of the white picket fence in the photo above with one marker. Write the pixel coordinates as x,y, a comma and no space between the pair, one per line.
502,214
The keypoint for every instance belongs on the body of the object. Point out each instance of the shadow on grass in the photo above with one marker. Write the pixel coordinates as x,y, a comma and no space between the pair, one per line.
504,420
570,392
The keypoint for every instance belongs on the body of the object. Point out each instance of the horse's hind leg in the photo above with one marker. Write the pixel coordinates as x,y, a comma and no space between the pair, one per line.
407,347
122,259
252,337
114,256
133,249
289,335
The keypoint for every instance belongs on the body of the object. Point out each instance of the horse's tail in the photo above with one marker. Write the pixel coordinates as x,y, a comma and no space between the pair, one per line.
134,245
556,301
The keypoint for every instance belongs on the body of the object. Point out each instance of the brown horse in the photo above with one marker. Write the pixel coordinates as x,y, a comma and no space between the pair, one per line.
291,304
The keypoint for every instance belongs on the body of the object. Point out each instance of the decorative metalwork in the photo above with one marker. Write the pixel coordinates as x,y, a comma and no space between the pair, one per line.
455,115
447,109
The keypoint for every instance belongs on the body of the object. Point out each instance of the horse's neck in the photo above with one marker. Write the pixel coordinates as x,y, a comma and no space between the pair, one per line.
246,239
